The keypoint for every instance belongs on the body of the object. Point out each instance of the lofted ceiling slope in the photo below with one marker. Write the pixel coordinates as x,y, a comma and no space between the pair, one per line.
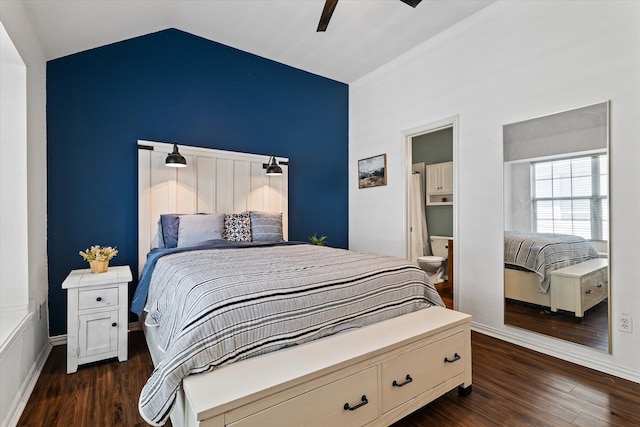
362,34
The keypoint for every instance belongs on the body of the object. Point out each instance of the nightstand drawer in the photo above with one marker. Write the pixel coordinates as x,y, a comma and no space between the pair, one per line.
97,298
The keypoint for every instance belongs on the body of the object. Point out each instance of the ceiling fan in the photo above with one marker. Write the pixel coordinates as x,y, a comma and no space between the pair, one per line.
330,5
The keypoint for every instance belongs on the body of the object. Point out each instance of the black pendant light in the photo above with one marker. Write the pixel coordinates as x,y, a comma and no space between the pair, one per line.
273,168
175,159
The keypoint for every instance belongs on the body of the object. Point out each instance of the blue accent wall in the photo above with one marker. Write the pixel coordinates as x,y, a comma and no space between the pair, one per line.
173,86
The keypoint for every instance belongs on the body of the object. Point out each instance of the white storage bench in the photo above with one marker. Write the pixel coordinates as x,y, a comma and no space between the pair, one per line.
579,287
375,375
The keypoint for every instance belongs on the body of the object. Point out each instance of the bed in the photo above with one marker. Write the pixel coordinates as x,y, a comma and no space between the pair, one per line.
348,334
530,259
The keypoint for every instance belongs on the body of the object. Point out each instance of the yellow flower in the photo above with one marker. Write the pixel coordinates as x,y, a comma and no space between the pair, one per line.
98,253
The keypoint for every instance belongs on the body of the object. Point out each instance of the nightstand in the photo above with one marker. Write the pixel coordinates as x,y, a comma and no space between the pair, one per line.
97,320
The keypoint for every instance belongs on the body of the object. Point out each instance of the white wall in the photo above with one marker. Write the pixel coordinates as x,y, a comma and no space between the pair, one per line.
21,33
26,350
14,275
509,62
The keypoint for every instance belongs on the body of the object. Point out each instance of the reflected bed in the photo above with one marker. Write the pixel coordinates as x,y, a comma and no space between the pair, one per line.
529,259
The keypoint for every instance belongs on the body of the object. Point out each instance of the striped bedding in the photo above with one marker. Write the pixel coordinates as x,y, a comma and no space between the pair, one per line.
542,253
217,306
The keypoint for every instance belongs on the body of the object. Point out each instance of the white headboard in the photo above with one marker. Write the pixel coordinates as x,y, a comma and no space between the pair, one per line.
213,181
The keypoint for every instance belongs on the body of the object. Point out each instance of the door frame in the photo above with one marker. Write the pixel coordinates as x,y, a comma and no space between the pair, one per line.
407,141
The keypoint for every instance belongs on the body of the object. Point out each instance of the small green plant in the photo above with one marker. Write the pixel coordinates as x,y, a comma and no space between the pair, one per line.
320,241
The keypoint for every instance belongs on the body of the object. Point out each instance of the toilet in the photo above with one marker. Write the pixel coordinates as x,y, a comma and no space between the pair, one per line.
433,265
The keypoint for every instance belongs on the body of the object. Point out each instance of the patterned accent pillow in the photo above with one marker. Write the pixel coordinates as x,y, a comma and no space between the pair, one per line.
266,226
237,227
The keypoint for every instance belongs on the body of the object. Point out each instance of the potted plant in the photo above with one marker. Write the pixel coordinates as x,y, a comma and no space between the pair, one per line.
98,257
320,241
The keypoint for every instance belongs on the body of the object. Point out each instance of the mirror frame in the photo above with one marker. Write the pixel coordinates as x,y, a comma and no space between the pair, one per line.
507,202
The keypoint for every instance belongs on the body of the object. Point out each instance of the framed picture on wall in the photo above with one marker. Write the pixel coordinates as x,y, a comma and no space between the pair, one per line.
372,171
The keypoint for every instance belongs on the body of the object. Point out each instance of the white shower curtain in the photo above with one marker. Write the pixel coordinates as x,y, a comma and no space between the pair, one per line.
419,246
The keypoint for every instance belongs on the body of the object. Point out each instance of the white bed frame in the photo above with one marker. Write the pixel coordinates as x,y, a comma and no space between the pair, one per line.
524,286
359,377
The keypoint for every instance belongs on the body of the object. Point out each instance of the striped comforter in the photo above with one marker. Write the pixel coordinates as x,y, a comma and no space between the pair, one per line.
217,306
542,253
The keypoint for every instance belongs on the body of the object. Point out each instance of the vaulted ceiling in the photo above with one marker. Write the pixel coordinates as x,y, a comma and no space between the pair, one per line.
362,34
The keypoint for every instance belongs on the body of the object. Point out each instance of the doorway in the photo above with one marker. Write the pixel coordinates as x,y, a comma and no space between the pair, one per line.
432,152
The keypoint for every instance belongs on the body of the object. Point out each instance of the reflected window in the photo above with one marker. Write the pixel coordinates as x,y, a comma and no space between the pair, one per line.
569,196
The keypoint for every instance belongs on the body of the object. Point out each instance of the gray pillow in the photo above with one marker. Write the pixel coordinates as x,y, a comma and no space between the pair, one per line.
266,226
194,229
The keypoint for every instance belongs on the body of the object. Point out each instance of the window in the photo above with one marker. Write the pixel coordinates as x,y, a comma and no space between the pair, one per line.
570,196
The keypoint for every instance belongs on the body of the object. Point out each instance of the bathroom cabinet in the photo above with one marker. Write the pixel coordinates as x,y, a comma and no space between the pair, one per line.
440,184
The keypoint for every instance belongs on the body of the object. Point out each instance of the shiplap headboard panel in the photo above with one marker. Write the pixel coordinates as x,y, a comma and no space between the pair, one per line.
213,181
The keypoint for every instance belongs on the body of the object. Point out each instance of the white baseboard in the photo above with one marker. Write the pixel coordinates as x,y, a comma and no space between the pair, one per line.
558,351
34,373
134,326
58,340
28,385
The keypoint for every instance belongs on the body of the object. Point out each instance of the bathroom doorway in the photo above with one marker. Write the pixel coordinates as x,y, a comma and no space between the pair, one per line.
431,154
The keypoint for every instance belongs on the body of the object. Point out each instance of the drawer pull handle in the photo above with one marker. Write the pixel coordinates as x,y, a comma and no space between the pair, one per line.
99,299
456,357
600,285
363,401
114,324
590,291
408,379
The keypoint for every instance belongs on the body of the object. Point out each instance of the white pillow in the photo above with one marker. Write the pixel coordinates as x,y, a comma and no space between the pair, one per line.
198,228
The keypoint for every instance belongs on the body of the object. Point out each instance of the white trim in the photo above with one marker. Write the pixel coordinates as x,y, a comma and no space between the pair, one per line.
134,326
28,385
164,147
407,137
58,340
16,322
531,341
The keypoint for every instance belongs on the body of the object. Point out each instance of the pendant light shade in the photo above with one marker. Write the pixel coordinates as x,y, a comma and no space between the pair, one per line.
175,159
273,168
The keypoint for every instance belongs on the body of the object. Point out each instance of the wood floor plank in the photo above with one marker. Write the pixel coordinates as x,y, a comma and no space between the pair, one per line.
512,386
591,330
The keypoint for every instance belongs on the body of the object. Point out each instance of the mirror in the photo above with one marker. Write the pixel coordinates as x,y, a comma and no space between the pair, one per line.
556,225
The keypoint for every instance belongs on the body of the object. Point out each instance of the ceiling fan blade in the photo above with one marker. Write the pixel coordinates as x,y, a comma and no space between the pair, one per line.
412,3
329,7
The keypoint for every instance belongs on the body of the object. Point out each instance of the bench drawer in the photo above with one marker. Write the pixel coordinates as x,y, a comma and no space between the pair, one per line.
411,374
325,406
593,288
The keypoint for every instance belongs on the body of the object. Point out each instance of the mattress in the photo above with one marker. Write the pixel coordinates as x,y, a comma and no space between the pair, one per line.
541,253
215,305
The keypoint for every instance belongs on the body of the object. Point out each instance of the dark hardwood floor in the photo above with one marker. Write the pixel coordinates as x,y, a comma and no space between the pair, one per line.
512,386
100,394
591,330
446,293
